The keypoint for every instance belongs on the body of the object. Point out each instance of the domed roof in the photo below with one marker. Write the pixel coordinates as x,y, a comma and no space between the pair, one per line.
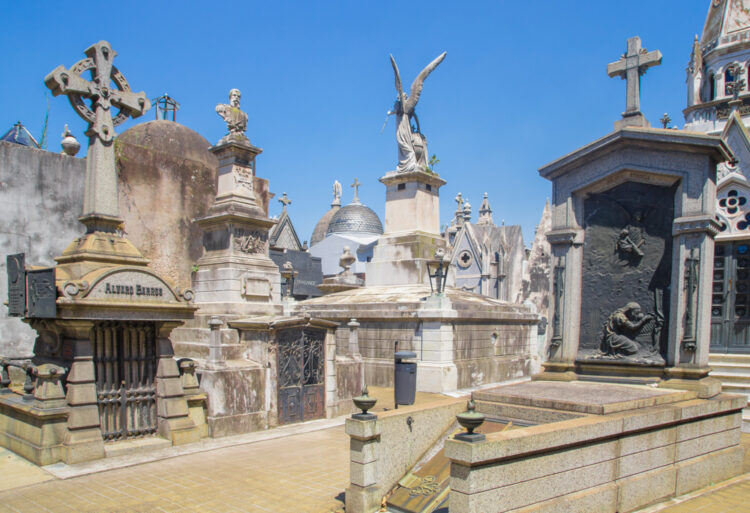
319,233
355,218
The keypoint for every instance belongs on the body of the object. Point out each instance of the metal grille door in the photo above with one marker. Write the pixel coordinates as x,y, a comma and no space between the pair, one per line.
301,375
125,365
730,304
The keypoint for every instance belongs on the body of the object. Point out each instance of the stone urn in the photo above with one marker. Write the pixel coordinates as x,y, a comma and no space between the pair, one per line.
364,402
470,420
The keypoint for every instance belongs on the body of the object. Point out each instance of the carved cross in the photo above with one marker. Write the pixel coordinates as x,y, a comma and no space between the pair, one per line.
631,66
106,89
665,120
284,201
356,185
459,202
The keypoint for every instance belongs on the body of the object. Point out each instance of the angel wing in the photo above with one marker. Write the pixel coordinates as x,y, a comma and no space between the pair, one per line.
416,87
399,87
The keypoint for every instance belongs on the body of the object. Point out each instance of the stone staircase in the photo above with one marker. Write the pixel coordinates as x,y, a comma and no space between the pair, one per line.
734,372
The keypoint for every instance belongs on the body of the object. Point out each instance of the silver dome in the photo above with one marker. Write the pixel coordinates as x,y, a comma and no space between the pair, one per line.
355,218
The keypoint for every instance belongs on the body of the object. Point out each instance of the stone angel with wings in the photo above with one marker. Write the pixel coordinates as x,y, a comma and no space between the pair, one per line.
412,145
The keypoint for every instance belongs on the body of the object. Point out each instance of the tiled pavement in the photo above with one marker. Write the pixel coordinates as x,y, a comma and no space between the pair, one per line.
300,473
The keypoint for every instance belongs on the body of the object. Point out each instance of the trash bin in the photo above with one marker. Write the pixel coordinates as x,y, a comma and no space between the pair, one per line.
405,378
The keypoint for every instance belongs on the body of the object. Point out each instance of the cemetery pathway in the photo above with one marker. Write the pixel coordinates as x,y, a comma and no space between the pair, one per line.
299,473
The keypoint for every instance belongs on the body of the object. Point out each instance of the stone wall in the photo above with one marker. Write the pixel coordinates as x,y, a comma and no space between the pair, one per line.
617,462
41,194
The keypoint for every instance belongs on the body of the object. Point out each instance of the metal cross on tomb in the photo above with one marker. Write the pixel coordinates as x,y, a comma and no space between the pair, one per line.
631,66
356,185
106,89
285,201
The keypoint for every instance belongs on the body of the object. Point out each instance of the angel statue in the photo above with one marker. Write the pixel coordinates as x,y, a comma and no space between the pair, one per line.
336,193
412,145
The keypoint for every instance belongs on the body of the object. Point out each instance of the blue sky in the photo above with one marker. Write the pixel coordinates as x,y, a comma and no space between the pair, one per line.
523,83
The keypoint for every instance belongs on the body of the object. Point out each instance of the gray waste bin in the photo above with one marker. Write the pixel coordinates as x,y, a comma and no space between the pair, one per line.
405,378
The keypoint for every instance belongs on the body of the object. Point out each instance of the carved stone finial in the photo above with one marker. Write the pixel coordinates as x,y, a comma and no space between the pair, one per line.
69,143
284,201
235,118
347,259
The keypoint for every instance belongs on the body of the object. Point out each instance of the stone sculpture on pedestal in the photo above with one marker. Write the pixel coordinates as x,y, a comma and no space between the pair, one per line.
235,118
412,145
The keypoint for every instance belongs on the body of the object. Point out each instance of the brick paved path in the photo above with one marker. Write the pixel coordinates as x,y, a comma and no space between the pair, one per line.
300,473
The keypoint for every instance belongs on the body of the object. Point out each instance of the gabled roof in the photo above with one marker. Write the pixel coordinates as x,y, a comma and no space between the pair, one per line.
283,234
736,136
724,21
20,135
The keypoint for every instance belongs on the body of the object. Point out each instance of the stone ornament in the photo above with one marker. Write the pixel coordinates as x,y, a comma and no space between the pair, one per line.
364,402
412,145
100,209
70,144
252,243
235,118
632,64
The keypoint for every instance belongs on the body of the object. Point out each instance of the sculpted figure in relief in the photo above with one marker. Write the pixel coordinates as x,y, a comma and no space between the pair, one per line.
412,145
621,329
236,119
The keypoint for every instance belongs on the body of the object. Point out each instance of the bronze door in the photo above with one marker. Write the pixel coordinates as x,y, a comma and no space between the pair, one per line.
301,374
125,367
730,303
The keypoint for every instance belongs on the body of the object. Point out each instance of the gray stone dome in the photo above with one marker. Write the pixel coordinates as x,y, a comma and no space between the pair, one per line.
355,218
319,233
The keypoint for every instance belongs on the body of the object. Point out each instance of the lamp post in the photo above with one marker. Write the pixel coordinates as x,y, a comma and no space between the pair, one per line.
437,271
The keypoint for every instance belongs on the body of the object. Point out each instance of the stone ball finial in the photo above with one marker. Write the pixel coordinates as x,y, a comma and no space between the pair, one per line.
69,143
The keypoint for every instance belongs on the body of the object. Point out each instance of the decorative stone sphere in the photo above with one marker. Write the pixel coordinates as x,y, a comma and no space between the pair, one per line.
70,144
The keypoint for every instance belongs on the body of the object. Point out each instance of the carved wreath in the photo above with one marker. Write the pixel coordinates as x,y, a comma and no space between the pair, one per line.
251,243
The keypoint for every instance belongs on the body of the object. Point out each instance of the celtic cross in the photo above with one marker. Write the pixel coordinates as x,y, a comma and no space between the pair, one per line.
356,185
631,66
106,89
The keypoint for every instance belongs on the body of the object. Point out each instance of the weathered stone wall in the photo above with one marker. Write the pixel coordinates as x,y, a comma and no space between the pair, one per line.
376,338
167,179
41,194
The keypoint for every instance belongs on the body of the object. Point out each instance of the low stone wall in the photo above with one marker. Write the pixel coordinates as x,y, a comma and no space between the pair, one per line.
617,462
384,449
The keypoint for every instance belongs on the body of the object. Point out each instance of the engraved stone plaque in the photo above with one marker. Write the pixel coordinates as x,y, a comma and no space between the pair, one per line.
16,285
131,285
41,293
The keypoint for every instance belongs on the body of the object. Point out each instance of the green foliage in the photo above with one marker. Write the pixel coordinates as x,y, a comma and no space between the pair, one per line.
434,161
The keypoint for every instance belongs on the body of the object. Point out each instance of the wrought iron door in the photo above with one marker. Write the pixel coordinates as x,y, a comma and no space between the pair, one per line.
301,374
730,304
125,365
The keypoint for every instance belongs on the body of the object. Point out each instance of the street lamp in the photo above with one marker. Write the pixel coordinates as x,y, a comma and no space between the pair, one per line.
437,270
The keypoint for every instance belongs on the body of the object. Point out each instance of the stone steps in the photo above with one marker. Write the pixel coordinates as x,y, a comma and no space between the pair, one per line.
734,372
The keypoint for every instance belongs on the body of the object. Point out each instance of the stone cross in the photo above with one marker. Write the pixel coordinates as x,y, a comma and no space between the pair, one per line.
284,201
106,89
356,185
665,120
631,66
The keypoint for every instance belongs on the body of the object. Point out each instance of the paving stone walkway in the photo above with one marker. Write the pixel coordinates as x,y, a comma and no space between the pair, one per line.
300,473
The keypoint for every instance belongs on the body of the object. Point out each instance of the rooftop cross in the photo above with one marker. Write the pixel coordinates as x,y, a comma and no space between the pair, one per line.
106,89
631,66
356,185
284,201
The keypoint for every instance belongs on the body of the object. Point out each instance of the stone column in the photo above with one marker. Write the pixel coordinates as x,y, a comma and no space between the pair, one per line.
363,493
436,370
564,310
83,441
215,358
175,423
353,337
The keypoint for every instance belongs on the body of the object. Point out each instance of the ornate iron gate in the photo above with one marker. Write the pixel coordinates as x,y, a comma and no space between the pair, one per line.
125,365
730,304
301,374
